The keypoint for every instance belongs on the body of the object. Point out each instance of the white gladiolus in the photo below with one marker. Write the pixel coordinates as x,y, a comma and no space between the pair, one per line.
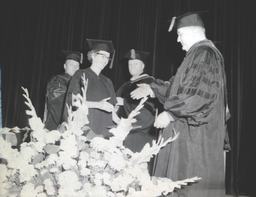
80,167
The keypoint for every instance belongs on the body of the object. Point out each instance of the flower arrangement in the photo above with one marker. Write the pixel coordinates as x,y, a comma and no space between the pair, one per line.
79,165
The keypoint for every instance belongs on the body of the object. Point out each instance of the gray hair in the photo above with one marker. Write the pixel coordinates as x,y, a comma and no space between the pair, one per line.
90,53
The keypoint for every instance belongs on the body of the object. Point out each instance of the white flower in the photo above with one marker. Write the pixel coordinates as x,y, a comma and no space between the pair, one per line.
111,194
65,192
52,136
4,173
83,157
51,160
39,146
121,182
27,152
84,171
41,195
7,152
28,190
97,181
95,155
48,185
100,144
98,191
101,164
66,161
107,179
87,186
91,162
39,189
120,195
5,187
54,170
115,161
3,190
37,133
69,180
69,146
80,167
27,172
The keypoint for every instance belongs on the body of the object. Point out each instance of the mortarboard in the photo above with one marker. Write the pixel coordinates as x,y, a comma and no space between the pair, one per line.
73,55
102,45
134,54
186,20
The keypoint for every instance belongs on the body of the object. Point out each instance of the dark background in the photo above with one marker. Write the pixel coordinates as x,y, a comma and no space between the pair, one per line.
33,32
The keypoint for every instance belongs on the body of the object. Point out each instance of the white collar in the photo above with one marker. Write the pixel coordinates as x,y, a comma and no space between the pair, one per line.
137,77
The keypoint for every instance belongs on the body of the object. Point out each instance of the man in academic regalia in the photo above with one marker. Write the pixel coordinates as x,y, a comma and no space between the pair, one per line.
195,105
144,131
57,88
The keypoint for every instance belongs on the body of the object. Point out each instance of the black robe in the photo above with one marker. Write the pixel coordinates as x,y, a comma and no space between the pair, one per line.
196,98
138,137
99,87
55,97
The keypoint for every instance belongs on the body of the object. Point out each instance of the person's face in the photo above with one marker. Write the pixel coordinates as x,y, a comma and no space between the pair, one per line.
135,67
185,37
101,58
71,66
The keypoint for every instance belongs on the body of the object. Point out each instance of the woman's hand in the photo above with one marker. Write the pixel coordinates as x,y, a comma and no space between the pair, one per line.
105,105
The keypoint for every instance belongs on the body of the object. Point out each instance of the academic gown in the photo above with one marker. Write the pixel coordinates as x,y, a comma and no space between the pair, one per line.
55,97
196,98
99,87
138,137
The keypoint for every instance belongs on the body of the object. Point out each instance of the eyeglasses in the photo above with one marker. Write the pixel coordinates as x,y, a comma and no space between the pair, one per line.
103,55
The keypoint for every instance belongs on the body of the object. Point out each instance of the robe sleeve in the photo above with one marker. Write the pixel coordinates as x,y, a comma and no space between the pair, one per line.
55,88
112,100
160,88
198,90
120,91
75,88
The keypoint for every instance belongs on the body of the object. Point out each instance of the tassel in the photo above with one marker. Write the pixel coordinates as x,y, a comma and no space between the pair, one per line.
112,60
133,54
81,59
172,23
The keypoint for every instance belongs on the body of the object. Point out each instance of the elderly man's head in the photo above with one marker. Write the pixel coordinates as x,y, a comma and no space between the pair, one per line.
72,61
190,35
190,29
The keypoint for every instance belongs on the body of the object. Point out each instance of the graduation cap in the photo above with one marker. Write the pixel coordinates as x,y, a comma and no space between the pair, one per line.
102,45
139,55
186,20
73,55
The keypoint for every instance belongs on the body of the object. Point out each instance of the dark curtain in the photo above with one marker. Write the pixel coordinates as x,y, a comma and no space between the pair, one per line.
33,33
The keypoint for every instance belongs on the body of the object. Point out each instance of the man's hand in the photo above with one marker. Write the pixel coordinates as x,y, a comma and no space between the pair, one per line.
143,90
120,101
105,105
163,120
